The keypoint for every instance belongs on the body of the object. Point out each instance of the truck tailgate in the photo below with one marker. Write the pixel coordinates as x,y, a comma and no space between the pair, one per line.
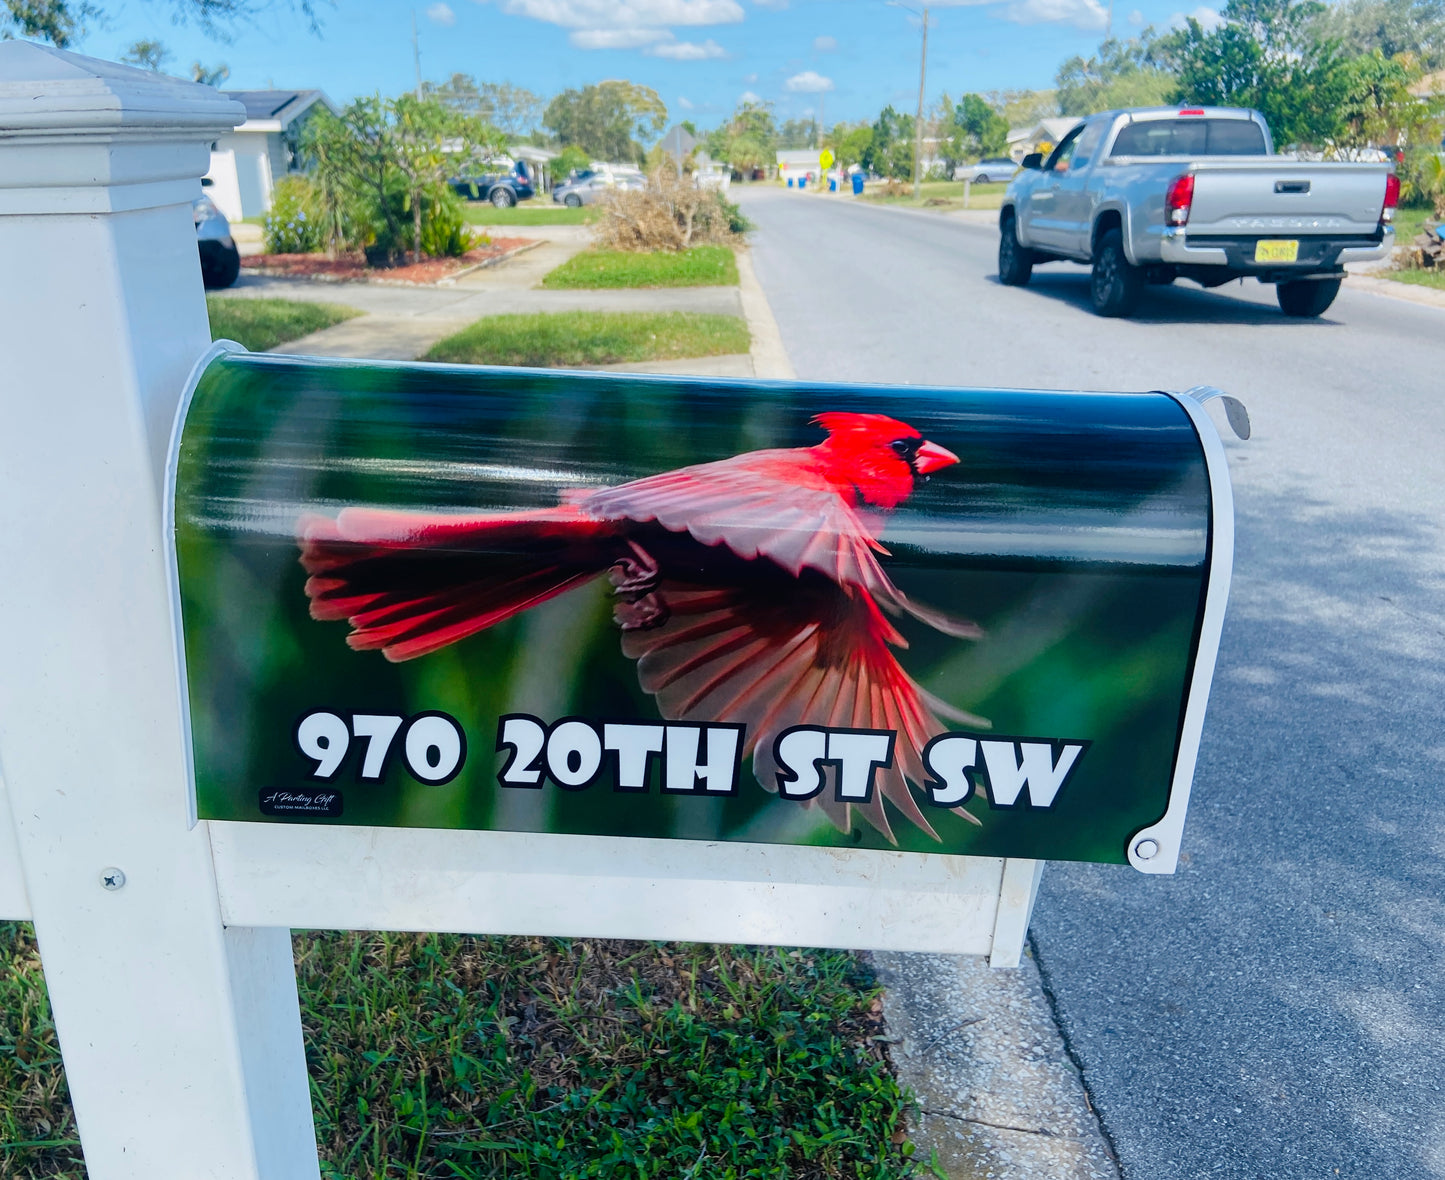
1287,197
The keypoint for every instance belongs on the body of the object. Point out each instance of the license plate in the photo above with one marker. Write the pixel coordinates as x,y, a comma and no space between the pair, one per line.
1277,250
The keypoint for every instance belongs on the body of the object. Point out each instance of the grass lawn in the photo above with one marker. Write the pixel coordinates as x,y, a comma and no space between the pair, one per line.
260,324
1408,223
1421,278
443,1056
702,266
574,338
545,213
944,195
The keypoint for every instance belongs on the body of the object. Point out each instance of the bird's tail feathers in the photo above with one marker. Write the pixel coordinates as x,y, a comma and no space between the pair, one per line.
411,583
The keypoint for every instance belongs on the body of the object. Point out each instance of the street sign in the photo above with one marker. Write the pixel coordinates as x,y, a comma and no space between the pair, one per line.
677,142
827,158
968,622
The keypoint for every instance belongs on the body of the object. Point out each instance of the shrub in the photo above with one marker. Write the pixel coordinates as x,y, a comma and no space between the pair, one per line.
290,225
444,232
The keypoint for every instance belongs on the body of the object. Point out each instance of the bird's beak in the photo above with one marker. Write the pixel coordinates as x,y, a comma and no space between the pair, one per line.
932,457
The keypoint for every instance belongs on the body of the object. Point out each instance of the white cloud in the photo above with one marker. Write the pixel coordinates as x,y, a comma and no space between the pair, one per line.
687,50
442,14
615,38
1088,15
626,14
1207,17
684,103
809,82
749,96
750,79
825,44
1136,18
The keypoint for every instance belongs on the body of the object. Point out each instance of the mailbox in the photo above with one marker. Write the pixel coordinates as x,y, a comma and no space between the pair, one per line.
960,621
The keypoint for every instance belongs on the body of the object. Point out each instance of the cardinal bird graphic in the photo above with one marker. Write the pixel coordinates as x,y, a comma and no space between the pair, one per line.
748,590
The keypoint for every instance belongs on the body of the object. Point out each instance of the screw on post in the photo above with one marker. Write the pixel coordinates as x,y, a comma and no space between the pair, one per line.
112,878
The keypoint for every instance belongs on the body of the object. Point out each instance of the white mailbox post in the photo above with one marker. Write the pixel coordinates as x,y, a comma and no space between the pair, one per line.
181,1037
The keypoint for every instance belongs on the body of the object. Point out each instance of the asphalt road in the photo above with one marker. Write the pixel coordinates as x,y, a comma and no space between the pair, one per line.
1277,1009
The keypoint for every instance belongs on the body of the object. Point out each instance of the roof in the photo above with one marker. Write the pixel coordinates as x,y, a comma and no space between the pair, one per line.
802,157
1051,129
278,107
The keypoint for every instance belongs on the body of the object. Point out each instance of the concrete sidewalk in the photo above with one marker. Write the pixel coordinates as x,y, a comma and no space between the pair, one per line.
402,323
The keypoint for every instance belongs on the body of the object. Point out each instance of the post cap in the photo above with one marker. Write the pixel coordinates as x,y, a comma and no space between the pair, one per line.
50,91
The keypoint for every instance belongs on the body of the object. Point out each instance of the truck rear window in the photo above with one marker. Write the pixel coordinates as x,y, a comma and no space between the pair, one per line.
1191,137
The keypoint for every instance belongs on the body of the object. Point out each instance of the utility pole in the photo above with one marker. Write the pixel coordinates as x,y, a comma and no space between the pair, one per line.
416,55
922,81
918,125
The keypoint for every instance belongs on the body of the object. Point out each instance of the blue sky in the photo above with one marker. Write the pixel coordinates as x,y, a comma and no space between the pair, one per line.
701,56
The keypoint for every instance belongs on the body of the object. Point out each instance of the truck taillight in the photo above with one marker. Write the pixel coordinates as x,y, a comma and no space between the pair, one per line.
1392,199
1178,199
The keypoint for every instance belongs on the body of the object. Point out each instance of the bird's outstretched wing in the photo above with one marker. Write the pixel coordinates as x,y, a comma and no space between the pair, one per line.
777,504
756,645
410,583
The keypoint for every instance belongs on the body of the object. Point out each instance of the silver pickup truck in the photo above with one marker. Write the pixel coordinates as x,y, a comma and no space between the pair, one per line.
1150,196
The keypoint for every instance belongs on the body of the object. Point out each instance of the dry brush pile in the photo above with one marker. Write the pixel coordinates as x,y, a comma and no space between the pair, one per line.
669,214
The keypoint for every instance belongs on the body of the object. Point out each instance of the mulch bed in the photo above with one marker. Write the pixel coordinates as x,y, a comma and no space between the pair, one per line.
353,269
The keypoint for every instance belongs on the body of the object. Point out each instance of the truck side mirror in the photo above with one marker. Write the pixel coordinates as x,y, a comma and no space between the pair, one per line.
1034,160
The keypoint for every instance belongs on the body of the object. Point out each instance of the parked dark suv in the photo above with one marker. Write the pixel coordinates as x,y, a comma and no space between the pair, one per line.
503,189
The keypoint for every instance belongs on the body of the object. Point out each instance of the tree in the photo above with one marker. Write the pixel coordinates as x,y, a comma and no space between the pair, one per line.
511,109
984,130
746,141
210,75
1265,55
797,134
64,22
890,150
1379,108
393,157
570,159
1122,74
146,53
849,142
609,121
61,22
1394,27
1024,108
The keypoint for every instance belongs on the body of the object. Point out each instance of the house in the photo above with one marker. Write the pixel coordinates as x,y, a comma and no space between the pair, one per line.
1040,137
247,162
799,164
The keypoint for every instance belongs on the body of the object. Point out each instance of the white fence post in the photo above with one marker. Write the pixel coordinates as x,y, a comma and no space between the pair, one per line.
182,1040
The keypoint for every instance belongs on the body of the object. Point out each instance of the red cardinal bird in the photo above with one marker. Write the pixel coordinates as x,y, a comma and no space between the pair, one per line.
748,590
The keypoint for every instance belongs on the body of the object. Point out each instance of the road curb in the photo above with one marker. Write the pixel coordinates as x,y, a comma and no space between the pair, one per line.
770,358
1393,289
1000,1095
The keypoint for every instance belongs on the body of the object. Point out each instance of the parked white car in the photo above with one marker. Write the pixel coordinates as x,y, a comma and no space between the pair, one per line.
995,171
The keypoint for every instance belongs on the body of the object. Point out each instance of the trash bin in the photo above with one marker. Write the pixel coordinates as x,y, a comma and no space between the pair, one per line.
832,184
790,182
802,182
857,184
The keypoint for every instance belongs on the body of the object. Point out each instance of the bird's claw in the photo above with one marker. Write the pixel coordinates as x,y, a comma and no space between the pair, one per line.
636,575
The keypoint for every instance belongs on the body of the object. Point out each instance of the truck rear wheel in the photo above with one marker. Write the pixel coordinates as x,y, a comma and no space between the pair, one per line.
1015,261
1115,285
1307,298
